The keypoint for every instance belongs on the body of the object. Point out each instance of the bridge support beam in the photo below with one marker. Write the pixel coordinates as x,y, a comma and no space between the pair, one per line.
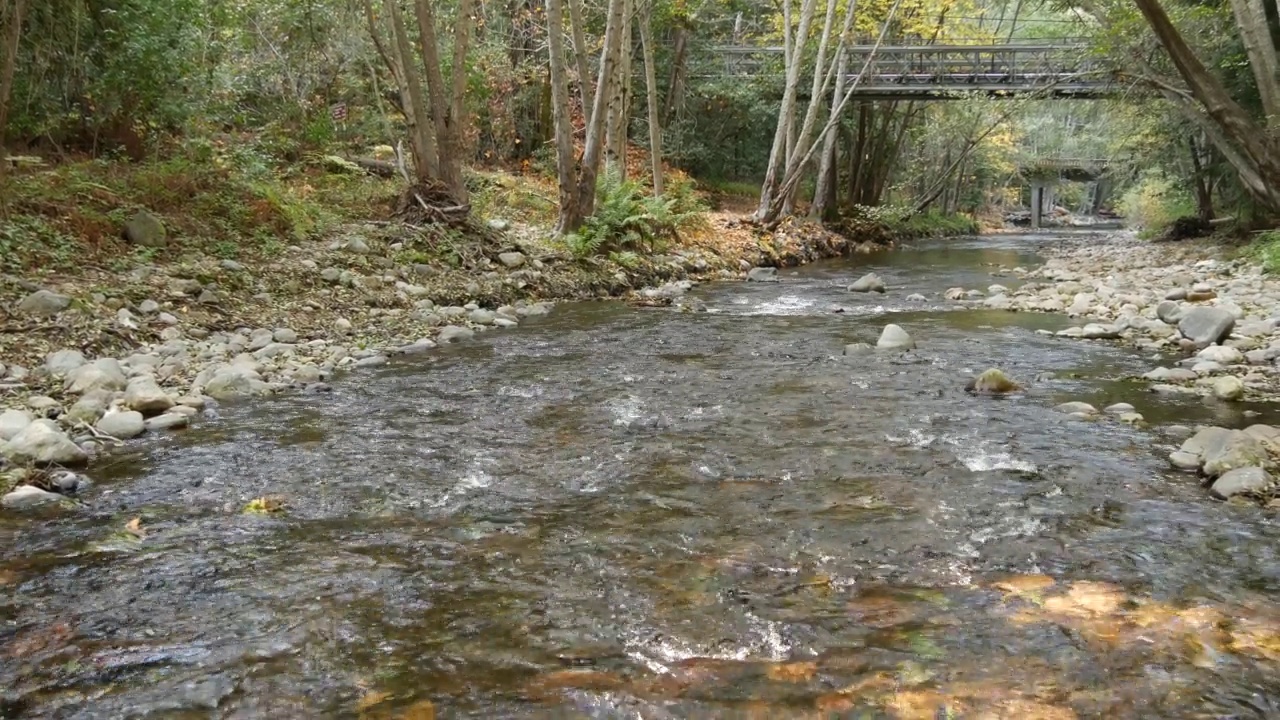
1037,204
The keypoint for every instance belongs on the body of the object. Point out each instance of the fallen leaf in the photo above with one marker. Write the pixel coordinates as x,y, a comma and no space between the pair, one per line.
134,528
265,505
792,671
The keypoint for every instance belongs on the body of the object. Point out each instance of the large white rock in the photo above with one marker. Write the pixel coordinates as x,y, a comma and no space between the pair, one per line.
101,374
27,496
894,337
122,424
63,362
146,396
13,422
43,443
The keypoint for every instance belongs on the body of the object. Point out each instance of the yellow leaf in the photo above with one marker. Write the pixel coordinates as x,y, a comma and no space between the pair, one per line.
134,528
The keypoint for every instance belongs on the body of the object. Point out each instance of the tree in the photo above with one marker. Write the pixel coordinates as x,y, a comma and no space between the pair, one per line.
11,22
1253,152
577,175
437,148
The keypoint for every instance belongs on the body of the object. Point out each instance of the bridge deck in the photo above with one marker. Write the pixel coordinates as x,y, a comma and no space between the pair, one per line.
1051,69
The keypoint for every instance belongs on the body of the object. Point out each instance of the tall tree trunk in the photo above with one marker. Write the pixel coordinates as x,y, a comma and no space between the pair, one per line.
566,170
12,24
578,184
580,54
792,51
651,96
677,73
1251,18
618,122
1203,185
422,137
445,101
1256,147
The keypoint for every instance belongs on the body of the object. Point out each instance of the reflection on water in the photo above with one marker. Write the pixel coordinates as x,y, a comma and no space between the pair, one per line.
641,513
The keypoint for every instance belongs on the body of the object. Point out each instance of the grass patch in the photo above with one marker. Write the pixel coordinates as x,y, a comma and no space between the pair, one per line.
1265,250
65,215
932,224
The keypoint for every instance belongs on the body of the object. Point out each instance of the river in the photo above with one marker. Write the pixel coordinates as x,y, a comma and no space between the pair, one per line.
636,512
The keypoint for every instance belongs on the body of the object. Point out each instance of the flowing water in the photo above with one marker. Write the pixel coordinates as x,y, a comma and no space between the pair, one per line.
641,513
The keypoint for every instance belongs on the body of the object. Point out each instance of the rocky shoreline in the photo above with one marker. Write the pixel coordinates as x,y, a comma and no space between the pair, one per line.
90,361
1221,314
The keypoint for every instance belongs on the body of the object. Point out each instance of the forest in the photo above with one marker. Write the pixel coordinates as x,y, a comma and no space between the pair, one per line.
612,125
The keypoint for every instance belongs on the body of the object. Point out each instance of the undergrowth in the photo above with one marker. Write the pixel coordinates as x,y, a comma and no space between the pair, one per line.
1265,250
227,201
628,218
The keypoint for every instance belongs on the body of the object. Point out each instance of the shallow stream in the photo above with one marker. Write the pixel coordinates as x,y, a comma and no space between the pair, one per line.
616,512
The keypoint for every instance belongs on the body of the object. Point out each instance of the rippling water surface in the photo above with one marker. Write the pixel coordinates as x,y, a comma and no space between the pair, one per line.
617,512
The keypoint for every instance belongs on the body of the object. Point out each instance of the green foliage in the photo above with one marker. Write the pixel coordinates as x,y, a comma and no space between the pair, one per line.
1155,201
1265,249
932,224
628,218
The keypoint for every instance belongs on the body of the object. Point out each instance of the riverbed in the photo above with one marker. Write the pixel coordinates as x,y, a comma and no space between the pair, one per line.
639,512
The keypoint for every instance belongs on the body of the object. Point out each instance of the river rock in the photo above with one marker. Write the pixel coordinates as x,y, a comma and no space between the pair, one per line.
146,396
870,282
28,496
1240,481
44,406
63,362
1176,294
1200,295
13,422
480,316
1229,388
1163,374
91,406
1118,408
122,424
285,335
1222,354
762,274
454,333
894,337
371,361
101,374
43,443
1185,460
1096,331
955,293
511,260
43,303
1077,408
232,381
917,297
342,326
858,349
992,382
1236,450
1132,418
1206,326
145,230
1169,312
168,421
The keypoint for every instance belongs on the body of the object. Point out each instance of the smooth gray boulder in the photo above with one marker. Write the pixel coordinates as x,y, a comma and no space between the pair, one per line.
1229,388
1206,326
454,333
1241,480
1077,407
63,362
43,303
762,274
90,406
511,260
146,396
122,424
146,230
1237,450
870,282
894,337
101,374
13,422
28,496
43,443
1169,312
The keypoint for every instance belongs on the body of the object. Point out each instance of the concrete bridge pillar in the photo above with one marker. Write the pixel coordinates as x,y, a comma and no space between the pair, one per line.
1037,204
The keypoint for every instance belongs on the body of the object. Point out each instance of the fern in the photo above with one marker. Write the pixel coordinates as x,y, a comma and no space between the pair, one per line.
629,220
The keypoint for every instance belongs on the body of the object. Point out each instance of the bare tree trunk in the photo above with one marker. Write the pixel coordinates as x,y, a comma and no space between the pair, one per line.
8,66
824,192
677,73
615,135
422,138
446,101
1251,18
792,50
1255,146
565,169
1204,188
651,93
580,53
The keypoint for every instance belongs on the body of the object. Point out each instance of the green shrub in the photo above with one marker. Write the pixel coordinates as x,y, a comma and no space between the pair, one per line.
1155,201
1265,249
628,218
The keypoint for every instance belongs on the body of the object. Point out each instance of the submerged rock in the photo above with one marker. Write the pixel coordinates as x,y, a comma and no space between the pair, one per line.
1229,388
1205,326
992,382
1240,481
894,337
762,274
28,496
1077,408
870,282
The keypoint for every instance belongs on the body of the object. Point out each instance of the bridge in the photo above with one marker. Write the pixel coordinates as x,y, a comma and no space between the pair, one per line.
1043,172
1060,68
